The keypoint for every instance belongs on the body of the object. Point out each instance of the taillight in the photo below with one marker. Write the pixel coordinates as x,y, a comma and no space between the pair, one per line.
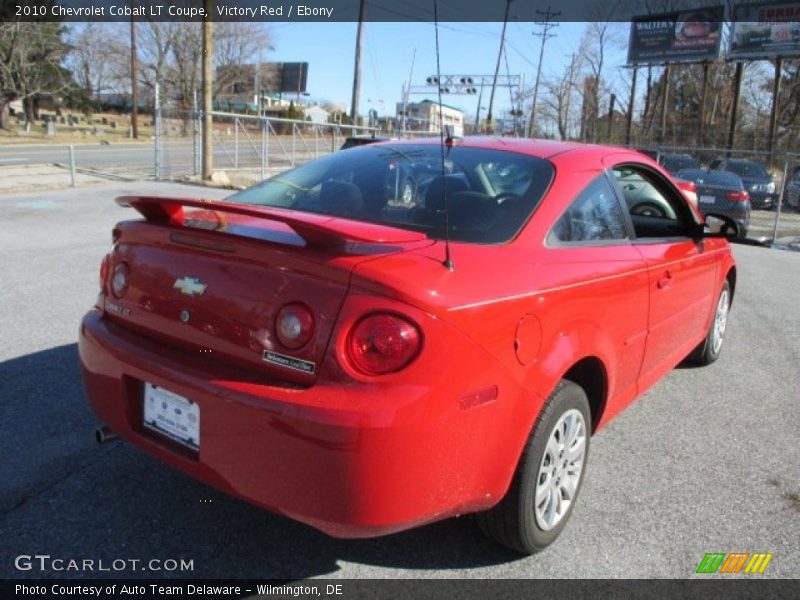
689,190
383,343
294,325
119,280
737,196
104,272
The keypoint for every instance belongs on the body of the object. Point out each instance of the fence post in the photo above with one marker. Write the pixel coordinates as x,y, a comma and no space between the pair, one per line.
780,201
263,124
195,130
294,136
157,137
72,163
236,143
266,144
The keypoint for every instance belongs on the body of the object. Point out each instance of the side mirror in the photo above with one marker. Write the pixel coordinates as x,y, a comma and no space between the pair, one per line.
718,226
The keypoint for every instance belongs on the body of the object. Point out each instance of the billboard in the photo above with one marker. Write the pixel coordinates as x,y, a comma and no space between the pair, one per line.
277,77
765,30
686,36
294,77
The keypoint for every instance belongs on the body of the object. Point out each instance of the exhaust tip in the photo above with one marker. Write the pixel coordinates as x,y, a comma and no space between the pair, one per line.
103,434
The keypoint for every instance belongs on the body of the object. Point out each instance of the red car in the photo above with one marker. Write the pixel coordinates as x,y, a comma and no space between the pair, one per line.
322,349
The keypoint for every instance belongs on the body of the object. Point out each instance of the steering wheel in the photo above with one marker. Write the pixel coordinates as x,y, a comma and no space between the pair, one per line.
502,197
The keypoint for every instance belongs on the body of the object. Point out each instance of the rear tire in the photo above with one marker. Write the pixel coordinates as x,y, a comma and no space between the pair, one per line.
709,349
649,209
549,475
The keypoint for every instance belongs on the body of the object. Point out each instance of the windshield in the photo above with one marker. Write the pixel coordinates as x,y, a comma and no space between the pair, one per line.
747,169
490,193
674,163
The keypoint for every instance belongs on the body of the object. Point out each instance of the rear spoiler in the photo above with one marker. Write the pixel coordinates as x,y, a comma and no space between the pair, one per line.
315,229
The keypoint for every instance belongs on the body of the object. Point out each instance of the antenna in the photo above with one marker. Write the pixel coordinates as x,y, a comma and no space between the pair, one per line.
448,263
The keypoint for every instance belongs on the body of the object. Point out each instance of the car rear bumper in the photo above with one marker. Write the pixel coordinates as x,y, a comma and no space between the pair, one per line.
762,199
352,463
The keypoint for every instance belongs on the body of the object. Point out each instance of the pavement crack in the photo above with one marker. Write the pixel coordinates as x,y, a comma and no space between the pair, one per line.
33,494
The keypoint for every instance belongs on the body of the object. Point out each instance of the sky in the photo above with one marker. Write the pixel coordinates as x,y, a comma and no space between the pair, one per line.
466,48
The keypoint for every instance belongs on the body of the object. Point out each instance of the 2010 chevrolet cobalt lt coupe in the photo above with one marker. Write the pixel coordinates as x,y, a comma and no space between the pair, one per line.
327,348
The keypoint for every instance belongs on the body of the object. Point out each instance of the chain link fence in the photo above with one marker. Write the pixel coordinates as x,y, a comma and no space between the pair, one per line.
772,182
246,148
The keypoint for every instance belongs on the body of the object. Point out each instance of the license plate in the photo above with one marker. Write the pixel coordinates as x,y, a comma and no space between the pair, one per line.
707,199
172,415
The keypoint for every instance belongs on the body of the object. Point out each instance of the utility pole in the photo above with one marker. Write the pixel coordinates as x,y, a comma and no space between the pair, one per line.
546,26
208,60
662,136
405,92
631,105
737,87
134,85
773,115
357,66
489,122
701,125
570,85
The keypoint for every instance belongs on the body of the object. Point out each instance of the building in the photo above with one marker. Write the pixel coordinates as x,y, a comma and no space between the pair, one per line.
424,116
316,114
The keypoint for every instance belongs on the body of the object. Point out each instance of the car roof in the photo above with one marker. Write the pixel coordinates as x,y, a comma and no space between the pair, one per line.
740,161
532,147
377,138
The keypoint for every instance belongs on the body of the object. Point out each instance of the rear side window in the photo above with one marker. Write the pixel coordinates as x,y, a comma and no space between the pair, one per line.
595,215
747,169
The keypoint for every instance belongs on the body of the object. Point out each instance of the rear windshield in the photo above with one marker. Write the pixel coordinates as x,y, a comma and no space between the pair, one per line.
717,178
490,193
673,163
747,169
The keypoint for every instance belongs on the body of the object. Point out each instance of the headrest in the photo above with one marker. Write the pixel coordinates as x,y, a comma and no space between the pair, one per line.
340,198
434,197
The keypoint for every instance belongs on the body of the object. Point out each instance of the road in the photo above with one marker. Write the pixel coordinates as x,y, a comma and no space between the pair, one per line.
707,461
176,156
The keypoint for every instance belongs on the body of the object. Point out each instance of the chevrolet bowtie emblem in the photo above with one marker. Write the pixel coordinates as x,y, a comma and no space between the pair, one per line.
191,286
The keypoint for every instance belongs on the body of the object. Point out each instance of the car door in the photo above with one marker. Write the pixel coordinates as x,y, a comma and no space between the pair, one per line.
606,289
681,274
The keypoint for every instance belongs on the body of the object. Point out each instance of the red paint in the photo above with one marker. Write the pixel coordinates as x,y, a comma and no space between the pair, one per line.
357,454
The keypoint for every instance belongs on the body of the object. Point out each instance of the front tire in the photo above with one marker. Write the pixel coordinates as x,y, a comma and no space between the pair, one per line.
709,349
549,475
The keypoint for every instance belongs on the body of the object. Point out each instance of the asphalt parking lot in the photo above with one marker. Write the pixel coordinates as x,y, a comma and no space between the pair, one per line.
707,461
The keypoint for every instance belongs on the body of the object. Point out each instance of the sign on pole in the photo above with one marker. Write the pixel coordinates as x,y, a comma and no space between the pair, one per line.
685,36
765,30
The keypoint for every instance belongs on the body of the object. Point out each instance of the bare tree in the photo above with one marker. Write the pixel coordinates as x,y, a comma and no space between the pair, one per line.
558,96
595,45
155,48
236,45
30,65
99,60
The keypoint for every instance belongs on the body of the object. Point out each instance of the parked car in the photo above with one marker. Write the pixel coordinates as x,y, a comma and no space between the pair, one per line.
758,182
721,193
367,368
791,191
677,162
355,141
